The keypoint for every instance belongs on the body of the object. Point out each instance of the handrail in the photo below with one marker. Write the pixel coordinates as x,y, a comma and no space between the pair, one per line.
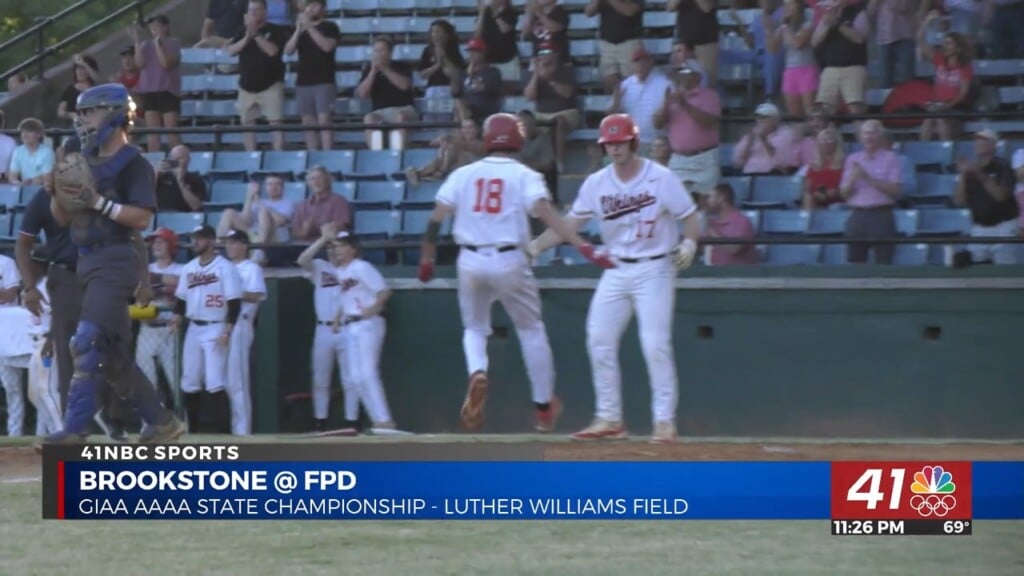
39,30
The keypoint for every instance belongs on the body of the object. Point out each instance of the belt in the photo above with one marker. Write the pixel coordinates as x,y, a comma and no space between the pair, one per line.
344,321
204,322
697,152
644,259
508,248
157,324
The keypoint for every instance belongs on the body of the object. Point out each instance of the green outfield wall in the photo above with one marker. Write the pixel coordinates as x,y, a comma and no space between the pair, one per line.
811,352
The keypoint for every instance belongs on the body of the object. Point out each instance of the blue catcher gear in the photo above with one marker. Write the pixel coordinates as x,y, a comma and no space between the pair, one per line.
89,355
120,114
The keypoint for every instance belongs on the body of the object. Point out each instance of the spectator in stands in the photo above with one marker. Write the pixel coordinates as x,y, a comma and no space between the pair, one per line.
128,74
537,152
279,13
839,42
1007,41
320,208
961,16
265,219
682,57
547,23
621,35
16,84
159,87
1017,163
769,147
455,149
824,172
817,121
441,64
754,36
7,147
954,77
85,72
496,27
986,186
224,21
552,89
697,25
388,85
893,23
642,95
908,170
660,151
690,115
315,39
259,48
178,189
33,160
725,221
478,88
800,75
871,184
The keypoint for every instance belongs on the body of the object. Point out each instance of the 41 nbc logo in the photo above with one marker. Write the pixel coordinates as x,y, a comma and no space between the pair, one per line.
933,490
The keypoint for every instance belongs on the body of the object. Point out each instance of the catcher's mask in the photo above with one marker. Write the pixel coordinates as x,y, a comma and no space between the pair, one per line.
120,113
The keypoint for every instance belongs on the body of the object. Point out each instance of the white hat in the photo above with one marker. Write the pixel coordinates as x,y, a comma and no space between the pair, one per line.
1018,159
988,134
767,109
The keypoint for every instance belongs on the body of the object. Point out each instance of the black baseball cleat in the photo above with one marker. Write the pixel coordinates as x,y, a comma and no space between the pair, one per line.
164,433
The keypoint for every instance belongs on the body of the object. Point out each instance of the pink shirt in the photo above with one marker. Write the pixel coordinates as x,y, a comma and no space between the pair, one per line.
787,147
155,78
884,166
808,147
732,224
332,208
686,135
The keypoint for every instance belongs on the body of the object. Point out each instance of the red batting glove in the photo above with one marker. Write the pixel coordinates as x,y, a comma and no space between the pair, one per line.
426,271
590,253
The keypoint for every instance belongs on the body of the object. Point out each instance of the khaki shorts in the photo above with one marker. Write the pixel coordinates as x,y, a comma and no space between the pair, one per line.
268,104
393,114
842,85
572,116
510,71
617,58
699,173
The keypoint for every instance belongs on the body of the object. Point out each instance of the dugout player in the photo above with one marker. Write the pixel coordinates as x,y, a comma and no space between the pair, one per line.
157,345
105,214
254,291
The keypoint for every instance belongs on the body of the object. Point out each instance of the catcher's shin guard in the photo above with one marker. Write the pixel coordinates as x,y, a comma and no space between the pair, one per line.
82,404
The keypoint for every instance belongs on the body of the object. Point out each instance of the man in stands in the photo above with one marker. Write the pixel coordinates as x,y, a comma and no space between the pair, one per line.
690,115
224,19
725,221
986,187
839,41
178,189
320,208
621,33
259,48
642,95
388,85
769,147
872,181
479,88
552,88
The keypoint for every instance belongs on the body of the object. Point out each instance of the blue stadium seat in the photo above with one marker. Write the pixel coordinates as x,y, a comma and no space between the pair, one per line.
513,104
906,222
352,55
592,229
407,52
377,164
659,19
397,6
833,254
587,76
414,221
345,189
424,192
1011,95
775,192
933,188
793,254
356,26
28,193
200,162
376,222
784,222
582,24
943,222
292,163
597,103
227,193
5,226
198,56
546,258
740,187
388,192
999,68
580,49
180,222
16,220
933,156
10,195
154,158
295,191
213,218
417,157
828,223
237,162
335,161
352,6
659,46
910,255
216,109
347,80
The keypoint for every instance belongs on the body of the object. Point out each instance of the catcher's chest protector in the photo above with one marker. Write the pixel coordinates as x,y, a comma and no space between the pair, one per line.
90,227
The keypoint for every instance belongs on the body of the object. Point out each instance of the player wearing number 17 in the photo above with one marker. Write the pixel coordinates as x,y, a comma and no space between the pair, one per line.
639,204
490,200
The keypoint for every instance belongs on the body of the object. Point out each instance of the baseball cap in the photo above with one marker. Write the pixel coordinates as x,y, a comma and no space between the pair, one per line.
476,45
767,109
988,134
641,53
345,237
204,231
165,233
239,235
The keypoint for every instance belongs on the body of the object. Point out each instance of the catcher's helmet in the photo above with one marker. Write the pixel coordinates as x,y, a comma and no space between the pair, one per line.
503,131
121,112
618,128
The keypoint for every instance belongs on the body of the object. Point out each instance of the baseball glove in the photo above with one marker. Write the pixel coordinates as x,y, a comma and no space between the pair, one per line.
73,183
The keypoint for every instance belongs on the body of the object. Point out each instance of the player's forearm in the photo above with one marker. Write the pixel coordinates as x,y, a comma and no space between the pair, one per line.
691,227
23,257
305,259
565,231
550,238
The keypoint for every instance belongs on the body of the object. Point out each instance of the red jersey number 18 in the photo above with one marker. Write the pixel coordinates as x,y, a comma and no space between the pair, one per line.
488,195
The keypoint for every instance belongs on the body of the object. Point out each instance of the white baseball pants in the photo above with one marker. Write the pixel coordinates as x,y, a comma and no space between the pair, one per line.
328,349
239,383
44,393
487,275
11,378
204,361
649,288
157,344
364,341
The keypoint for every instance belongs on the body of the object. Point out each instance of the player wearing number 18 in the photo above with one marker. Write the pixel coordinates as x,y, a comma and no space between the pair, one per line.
639,205
490,200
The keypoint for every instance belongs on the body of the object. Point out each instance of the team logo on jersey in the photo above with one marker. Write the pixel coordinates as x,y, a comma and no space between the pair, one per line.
201,279
618,205
348,284
328,280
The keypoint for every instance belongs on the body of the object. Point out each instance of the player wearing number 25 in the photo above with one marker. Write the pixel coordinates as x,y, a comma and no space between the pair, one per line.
209,296
639,205
490,200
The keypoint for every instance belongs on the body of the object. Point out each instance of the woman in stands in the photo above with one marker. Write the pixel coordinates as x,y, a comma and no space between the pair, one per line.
800,76
954,76
441,63
86,73
823,174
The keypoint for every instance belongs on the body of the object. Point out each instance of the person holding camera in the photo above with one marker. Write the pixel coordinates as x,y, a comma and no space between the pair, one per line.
177,189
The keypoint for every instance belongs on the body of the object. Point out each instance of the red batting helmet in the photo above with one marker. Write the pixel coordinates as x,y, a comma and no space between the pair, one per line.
503,131
167,235
618,128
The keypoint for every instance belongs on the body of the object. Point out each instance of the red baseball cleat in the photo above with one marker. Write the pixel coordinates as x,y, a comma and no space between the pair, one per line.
472,413
547,419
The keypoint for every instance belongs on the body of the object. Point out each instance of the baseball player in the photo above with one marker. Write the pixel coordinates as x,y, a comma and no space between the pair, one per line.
364,295
106,195
328,340
254,291
639,204
156,343
43,388
490,200
209,296
10,373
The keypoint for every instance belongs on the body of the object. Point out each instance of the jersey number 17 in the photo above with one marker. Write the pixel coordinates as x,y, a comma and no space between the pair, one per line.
488,195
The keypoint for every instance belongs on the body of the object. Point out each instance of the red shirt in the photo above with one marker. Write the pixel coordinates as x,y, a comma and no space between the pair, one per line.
732,224
949,80
827,178
128,79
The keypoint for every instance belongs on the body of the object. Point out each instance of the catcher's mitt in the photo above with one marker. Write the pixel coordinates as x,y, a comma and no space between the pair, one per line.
73,183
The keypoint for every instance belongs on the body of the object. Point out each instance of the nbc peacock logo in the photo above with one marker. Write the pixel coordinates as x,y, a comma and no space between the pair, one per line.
933,490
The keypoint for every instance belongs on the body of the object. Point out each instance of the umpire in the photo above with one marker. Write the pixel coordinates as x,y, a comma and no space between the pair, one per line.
105,195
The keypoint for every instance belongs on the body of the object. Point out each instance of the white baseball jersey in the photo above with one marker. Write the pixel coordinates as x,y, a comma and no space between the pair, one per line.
360,284
326,290
492,198
637,219
9,276
207,289
163,301
251,275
